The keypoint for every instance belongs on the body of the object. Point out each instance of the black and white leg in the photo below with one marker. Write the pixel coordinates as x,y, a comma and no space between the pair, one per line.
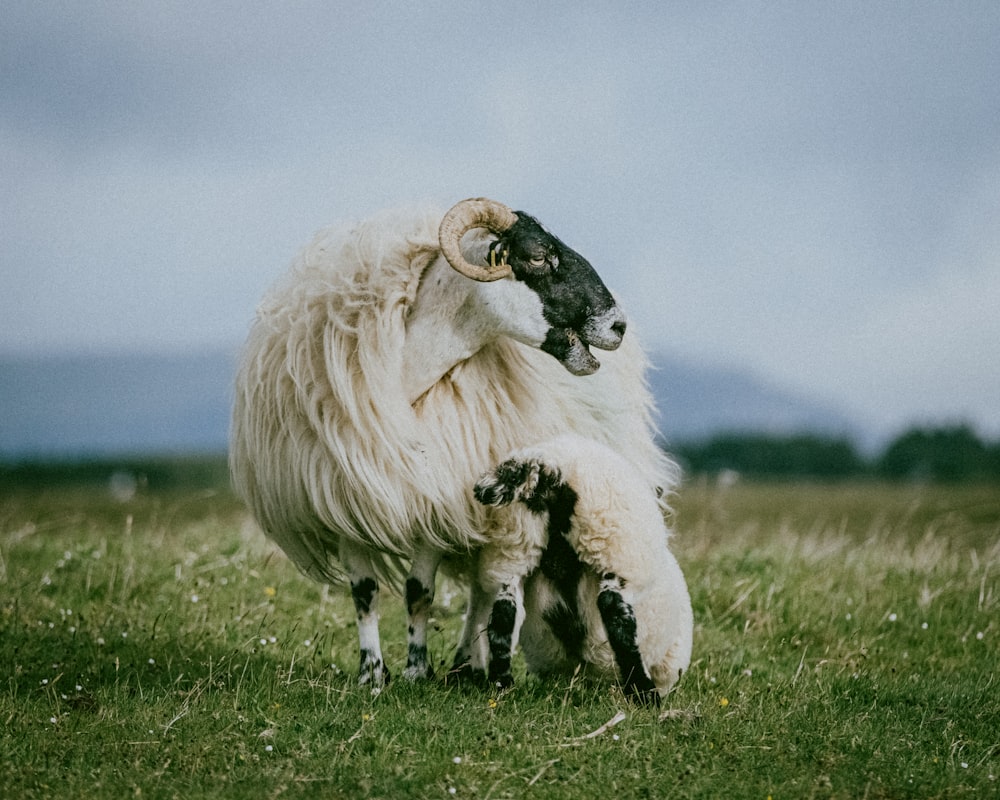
472,654
364,592
419,597
505,621
619,622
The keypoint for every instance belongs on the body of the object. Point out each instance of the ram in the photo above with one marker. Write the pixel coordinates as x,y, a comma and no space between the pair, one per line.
603,588
395,362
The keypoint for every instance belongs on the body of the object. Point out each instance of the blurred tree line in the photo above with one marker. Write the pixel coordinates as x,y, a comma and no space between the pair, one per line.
123,476
949,454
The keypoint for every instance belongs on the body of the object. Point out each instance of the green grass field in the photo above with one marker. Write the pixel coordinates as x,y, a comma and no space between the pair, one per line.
846,645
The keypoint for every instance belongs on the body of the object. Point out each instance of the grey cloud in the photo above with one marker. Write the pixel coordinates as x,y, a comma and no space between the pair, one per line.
764,183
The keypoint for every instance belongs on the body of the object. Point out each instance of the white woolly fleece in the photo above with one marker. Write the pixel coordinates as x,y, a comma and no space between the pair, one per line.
326,445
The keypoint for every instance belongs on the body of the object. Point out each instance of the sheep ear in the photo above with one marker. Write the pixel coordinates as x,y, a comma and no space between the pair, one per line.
530,483
544,479
512,480
496,488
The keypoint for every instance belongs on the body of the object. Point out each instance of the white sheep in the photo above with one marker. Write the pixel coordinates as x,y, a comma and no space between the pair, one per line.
399,359
604,588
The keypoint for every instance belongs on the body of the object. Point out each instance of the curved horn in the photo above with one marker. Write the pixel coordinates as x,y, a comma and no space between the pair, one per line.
476,212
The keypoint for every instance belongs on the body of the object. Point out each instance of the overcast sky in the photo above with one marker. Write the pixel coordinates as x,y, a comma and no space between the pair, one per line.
810,190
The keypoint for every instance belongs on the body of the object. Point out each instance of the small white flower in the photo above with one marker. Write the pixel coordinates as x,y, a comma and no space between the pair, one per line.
979,636
152,661
79,688
848,616
965,765
452,790
892,617
614,736
194,598
923,626
308,642
263,642
456,760
53,720
268,748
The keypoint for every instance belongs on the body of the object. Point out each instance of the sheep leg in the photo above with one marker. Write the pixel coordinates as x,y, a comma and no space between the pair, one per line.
619,622
471,655
502,630
419,597
364,592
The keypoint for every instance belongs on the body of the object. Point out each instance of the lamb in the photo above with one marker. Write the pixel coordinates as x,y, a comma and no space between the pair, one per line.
602,586
400,358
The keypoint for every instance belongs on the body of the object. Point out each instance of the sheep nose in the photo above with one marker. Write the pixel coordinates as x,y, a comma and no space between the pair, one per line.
605,330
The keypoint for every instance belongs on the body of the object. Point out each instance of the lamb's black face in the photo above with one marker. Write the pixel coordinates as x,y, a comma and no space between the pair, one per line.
576,304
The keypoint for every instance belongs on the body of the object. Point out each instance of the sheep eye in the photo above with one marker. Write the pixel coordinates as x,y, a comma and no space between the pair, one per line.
537,261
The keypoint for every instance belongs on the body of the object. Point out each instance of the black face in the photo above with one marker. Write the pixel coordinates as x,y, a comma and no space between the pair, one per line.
575,302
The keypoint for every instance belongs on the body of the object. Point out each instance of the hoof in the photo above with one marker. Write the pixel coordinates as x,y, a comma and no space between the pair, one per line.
465,675
502,681
418,672
417,668
373,674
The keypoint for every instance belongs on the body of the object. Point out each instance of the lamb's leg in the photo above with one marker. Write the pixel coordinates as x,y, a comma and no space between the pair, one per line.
471,655
619,622
504,624
364,591
419,597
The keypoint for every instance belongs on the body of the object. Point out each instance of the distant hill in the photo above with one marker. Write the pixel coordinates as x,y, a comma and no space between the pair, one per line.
697,401
73,406
59,407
